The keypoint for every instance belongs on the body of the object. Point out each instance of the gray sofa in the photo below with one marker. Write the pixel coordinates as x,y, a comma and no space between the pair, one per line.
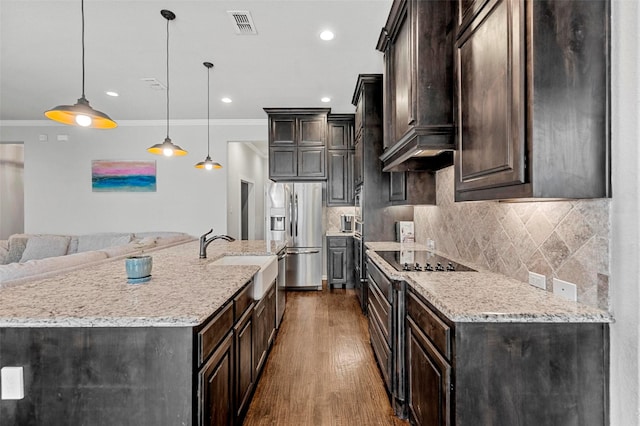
25,257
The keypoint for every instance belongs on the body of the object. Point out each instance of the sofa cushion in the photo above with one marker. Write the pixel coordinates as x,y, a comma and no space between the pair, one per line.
100,241
17,244
4,250
43,246
35,267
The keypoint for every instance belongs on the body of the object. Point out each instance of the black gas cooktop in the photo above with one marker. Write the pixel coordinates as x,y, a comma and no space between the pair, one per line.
421,260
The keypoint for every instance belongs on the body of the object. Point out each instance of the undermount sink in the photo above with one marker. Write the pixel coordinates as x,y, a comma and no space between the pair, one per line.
263,278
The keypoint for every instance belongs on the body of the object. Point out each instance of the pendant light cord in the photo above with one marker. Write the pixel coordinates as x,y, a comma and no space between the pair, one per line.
208,102
82,13
167,78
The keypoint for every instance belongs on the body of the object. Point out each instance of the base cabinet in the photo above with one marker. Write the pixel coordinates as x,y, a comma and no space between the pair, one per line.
264,318
340,270
488,373
216,387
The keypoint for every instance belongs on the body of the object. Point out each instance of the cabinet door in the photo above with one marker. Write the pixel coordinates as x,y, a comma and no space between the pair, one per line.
491,97
401,64
282,130
311,162
397,186
338,178
429,377
245,335
337,266
312,130
340,134
357,161
283,162
215,381
270,320
261,340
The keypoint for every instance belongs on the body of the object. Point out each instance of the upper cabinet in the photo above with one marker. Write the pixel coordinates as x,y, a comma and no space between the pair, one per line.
340,160
417,41
297,143
533,99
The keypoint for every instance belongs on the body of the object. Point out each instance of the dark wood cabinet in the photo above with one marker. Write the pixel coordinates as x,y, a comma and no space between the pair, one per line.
244,337
417,42
386,307
340,270
470,373
340,160
297,143
264,318
533,100
216,381
412,188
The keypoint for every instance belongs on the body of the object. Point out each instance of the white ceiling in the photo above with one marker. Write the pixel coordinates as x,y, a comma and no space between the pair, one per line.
285,65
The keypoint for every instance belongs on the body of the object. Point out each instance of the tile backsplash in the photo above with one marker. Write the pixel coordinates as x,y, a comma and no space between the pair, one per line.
332,217
568,240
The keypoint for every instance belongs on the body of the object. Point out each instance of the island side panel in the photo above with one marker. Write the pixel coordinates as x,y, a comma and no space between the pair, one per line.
100,376
531,373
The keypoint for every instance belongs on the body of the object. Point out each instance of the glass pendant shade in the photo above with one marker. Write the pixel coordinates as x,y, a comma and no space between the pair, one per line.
167,148
81,114
208,163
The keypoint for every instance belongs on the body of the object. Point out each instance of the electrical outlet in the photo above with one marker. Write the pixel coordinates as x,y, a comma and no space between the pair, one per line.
538,280
12,383
63,137
565,289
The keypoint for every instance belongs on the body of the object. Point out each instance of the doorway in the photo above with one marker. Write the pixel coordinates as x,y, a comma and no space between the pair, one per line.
247,210
11,189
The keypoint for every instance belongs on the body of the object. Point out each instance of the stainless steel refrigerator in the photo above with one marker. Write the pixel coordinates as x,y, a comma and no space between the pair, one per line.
294,214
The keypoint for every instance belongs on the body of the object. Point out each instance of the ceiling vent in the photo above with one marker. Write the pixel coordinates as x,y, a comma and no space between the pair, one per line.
153,83
242,22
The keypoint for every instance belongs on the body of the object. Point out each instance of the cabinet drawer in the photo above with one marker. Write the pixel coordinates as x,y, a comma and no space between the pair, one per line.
213,332
381,350
337,241
436,330
384,284
380,309
243,301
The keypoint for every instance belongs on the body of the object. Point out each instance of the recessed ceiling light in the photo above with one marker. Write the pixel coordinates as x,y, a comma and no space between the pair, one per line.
226,100
326,35
110,93
326,99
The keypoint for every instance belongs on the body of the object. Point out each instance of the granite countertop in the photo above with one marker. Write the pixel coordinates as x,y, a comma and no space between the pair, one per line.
484,296
183,292
339,234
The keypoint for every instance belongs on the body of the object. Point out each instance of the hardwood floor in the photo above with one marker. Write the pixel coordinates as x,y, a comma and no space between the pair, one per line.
321,369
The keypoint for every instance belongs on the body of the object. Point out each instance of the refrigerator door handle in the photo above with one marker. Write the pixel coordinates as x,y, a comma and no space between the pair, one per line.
295,253
296,205
291,215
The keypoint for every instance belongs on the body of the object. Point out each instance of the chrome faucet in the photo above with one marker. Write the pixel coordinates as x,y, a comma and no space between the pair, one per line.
204,242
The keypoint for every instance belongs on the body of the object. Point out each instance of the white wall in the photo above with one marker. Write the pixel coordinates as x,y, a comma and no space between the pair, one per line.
245,164
11,189
57,176
625,211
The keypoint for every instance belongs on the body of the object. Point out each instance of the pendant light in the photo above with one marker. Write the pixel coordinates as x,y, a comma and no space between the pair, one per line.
81,114
167,148
208,163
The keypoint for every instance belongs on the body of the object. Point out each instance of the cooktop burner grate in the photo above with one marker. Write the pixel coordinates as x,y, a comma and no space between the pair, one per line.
421,260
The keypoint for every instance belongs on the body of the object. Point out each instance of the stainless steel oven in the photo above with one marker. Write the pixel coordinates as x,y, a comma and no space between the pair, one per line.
359,211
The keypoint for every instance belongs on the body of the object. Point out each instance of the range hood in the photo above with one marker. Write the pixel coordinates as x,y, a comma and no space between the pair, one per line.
427,148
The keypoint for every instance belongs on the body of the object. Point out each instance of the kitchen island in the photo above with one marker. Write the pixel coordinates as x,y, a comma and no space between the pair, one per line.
96,350
469,348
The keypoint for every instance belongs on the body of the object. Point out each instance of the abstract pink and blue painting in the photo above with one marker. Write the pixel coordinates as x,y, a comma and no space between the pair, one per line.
123,176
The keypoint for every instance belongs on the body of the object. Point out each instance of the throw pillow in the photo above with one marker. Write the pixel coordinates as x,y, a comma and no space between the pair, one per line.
43,246
17,244
4,249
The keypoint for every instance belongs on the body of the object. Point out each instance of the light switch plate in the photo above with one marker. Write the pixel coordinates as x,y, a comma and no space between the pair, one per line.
12,383
538,280
565,289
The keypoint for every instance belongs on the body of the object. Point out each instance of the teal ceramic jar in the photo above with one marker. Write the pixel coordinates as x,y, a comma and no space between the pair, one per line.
138,266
